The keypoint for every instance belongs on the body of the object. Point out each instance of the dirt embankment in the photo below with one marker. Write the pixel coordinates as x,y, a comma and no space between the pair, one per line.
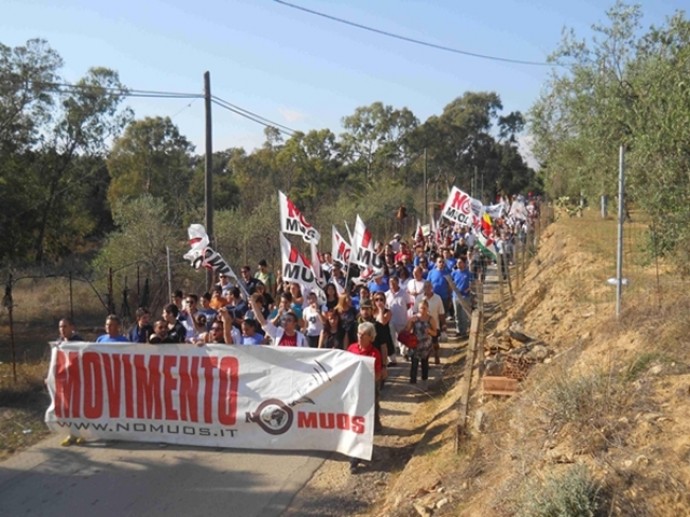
599,428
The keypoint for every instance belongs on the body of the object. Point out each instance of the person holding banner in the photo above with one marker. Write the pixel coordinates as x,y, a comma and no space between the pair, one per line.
176,331
287,335
68,331
366,333
112,329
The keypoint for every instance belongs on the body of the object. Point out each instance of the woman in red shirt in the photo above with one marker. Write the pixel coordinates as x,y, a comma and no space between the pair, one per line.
366,333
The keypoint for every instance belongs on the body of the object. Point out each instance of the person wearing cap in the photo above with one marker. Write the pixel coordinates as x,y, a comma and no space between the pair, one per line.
338,276
378,284
395,243
224,284
403,252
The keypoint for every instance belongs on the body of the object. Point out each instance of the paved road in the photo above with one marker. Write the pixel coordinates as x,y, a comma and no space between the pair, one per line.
132,479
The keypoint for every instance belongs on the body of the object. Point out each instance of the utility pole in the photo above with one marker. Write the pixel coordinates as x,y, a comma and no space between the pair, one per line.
621,217
426,191
208,183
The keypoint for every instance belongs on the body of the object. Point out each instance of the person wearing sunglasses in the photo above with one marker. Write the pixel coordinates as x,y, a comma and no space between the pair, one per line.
222,330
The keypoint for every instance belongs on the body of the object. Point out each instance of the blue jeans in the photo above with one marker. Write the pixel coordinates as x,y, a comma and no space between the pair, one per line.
462,319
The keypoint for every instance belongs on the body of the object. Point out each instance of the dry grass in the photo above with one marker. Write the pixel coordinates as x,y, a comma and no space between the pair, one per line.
39,304
22,406
602,426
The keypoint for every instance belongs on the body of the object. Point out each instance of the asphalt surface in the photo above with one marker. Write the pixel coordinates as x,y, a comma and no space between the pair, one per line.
137,479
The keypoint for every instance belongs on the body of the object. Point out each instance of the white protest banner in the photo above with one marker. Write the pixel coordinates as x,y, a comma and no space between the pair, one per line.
461,208
292,221
296,267
201,255
246,397
495,211
363,253
341,249
319,277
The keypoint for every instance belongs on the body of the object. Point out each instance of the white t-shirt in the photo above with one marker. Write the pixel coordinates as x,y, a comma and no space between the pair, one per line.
435,307
313,321
415,287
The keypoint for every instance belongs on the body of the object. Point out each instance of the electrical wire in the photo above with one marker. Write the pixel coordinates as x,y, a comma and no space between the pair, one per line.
413,40
253,117
185,107
127,92
251,113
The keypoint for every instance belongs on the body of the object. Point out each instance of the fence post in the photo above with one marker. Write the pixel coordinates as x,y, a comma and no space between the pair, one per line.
8,303
111,296
475,333
71,298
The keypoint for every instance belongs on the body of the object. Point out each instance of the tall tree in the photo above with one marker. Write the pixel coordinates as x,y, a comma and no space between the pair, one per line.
152,157
89,117
377,139
45,127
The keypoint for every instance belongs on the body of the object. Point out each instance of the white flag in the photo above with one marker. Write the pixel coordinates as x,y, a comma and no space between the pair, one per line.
292,221
341,249
296,267
201,255
363,253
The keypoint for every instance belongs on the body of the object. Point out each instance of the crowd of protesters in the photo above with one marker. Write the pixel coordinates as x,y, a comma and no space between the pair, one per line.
397,314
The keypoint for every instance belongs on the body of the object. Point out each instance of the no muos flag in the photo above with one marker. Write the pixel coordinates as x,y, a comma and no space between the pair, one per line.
363,253
296,267
341,249
293,222
461,208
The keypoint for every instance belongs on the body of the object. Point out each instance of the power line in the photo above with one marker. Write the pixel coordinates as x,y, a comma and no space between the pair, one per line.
127,92
180,111
413,40
252,116
130,92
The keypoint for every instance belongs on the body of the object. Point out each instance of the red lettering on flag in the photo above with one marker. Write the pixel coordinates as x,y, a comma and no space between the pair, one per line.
461,201
294,255
294,213
366,238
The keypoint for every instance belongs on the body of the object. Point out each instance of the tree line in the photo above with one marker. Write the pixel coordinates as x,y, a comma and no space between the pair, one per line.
78,170
624,86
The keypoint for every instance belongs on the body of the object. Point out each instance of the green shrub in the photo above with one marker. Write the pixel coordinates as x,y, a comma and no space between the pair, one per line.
573,494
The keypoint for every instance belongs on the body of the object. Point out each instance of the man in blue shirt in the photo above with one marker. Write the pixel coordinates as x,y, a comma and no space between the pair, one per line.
112,329
437,277
461,297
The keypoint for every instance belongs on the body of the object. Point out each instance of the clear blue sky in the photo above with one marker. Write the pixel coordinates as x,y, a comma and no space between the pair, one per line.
300,70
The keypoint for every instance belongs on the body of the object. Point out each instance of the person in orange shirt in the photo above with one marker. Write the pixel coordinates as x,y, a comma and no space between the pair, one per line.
217,298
